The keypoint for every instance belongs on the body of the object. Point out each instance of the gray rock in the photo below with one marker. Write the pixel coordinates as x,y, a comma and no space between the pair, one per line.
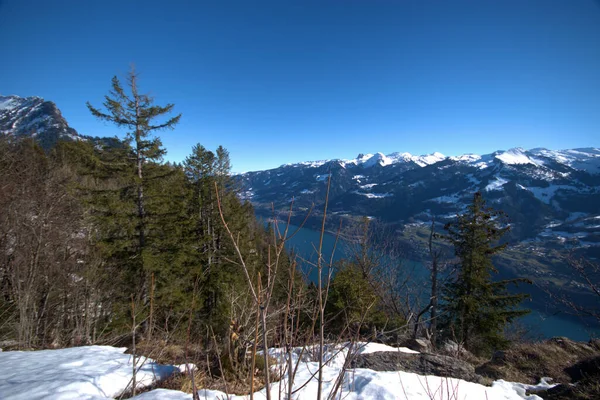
423,363
420,345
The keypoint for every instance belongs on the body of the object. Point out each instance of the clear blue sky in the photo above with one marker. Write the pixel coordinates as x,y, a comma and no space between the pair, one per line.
285,81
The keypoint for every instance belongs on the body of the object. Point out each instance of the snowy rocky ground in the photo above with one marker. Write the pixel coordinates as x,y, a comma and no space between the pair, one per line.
101,372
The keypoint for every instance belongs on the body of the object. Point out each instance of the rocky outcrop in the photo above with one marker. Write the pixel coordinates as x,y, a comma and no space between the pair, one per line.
559,358
423,364
33,117
420,345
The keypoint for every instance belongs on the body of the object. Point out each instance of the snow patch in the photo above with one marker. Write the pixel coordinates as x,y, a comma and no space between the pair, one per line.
101,372
446,199
91,372
8,103
376,159
515,156
587,160
546,194
468,158
496,185
368,186
421,161
373,195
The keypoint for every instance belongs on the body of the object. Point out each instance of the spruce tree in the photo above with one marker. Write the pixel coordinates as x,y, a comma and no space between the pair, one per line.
476,309
137,113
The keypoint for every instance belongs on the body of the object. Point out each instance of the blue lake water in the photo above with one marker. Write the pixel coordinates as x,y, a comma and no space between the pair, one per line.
540,323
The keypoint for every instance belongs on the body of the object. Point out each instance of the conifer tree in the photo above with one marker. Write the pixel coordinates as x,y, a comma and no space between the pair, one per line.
476,309
137,113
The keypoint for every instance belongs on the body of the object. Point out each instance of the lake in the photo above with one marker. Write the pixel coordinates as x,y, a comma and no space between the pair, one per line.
540,323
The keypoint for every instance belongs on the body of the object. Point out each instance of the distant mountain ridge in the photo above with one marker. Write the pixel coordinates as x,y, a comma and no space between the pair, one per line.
548,194
588,158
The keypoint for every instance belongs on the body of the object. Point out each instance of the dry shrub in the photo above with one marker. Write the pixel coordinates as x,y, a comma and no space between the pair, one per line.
528,362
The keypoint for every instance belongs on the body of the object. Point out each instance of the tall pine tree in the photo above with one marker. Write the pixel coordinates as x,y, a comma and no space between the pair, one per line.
137,113
476,309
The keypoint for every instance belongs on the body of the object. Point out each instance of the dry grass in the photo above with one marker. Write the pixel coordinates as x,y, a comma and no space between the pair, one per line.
208,374
528,362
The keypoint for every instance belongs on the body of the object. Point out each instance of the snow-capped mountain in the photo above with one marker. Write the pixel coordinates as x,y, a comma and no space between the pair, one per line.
34,117
546,193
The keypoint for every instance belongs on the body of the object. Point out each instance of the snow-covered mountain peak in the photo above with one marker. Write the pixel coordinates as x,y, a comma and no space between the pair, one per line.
8,102
468,158
421,161
34,117
515,156
377,158
583,159
12,102
429,159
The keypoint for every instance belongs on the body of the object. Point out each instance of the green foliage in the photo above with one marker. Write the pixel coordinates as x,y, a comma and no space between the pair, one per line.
352,303
137,112
476,309
120,232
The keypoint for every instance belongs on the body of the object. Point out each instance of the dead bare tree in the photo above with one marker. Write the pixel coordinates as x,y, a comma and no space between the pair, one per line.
260,294
435,254
588,272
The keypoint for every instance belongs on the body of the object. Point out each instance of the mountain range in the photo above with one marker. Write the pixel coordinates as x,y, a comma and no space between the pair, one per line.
546,193
552,197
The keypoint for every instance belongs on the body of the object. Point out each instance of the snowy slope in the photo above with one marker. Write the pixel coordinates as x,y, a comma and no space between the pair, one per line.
515,156
92,372
101,372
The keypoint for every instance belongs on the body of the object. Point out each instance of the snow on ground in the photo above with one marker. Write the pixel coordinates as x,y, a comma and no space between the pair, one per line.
363,384
367,348
496,185
91,372
446,199
368,186
474,181
373,195
100,372
546,194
